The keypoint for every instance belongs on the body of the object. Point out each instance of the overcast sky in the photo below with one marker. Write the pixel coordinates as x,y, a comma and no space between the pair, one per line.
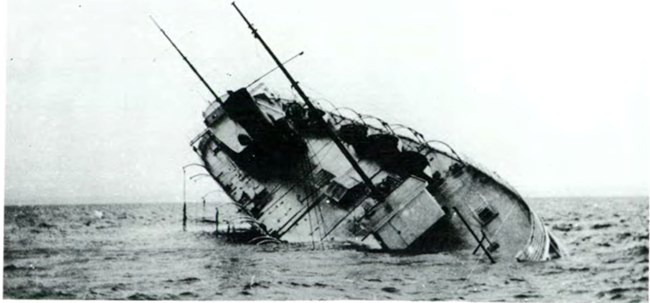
552,95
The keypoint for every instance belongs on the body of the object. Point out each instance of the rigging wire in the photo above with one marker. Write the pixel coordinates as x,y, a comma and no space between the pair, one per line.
274,69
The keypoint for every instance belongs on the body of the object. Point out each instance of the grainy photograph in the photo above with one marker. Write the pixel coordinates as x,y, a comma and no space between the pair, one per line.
326,150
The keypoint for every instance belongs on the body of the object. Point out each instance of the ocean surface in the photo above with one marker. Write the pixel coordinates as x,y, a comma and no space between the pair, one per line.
140,251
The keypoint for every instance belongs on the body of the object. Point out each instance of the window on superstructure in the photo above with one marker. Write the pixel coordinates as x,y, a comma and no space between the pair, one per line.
322,177
486,214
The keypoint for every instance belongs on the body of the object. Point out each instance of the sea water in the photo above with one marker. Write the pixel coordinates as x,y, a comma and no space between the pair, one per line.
140,251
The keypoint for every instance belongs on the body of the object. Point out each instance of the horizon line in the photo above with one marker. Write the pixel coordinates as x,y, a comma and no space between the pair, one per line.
54,203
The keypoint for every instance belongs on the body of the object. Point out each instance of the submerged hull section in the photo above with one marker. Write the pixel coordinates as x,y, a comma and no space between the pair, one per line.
271,159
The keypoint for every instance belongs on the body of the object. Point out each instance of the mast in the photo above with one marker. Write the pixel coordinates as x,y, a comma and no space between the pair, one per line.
196,72
294,84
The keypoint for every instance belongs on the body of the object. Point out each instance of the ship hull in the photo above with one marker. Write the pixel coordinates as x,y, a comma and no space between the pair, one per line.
453,205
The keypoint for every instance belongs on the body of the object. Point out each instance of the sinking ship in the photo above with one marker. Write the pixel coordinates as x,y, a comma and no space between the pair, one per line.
301,174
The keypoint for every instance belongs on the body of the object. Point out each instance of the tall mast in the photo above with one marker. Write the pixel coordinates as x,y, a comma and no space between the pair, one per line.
196,72
294,84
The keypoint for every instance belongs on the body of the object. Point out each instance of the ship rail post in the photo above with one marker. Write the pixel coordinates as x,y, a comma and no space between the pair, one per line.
216,221
185,191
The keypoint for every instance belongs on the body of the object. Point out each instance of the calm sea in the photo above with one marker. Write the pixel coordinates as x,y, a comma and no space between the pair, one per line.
140,251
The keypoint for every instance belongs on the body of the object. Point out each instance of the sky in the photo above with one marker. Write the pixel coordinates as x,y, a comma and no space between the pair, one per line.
552,95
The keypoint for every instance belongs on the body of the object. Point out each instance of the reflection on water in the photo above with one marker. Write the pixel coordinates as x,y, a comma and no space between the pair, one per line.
140,252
